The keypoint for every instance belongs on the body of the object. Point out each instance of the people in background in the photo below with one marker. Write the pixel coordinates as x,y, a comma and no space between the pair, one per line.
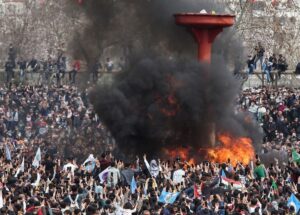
109,65
75,70
260,51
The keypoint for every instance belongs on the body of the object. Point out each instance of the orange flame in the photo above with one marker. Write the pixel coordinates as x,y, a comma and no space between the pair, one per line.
182,153
238,149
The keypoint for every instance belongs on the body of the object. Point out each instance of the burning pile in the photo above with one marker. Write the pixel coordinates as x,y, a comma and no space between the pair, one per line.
163,98
182,153
236,149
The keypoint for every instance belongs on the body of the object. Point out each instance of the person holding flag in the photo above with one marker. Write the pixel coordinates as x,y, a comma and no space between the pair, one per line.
90,163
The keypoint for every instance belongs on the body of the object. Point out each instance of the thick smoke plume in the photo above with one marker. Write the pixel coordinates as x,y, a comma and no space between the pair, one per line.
164,98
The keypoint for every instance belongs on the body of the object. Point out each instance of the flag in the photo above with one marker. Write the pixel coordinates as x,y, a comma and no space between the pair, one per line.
21,168
293,201
197,191
167,197
90,163
7,153
133,185
295,156
37,181
98,189
37,158
236,185
242,179
103,175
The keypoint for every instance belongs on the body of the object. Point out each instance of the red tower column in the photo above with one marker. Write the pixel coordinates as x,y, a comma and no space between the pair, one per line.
205,39
205,28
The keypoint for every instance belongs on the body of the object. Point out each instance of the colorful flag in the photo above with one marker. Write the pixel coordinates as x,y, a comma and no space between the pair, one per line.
37,158
293,201
7,153
236,185
103,175
133,185
167,197
90,163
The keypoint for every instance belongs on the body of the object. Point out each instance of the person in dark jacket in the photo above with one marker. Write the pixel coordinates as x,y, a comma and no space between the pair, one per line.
260,51
95,71
251,64
298,68
9,69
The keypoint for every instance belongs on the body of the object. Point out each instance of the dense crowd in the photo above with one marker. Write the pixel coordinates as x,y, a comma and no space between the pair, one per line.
277,111
55,158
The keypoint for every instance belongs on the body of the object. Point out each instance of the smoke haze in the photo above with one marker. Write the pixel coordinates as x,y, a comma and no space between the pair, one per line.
163,99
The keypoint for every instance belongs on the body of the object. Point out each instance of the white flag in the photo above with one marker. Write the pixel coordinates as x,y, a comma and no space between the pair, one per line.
37,182
37,158
89,159
21,168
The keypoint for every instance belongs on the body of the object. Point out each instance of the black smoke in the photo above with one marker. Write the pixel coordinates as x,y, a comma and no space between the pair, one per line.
164,98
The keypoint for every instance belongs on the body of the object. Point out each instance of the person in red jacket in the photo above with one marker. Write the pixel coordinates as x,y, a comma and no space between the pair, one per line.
76,68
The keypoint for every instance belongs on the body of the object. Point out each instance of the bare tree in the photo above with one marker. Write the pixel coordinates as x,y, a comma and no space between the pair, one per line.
272,22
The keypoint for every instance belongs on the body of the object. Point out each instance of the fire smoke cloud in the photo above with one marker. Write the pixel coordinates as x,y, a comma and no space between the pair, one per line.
164,96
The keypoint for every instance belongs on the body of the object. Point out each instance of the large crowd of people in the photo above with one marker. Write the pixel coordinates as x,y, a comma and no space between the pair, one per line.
56,156
46,168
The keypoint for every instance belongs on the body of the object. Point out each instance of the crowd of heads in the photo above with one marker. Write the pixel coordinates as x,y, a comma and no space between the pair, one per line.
278,113
56,158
